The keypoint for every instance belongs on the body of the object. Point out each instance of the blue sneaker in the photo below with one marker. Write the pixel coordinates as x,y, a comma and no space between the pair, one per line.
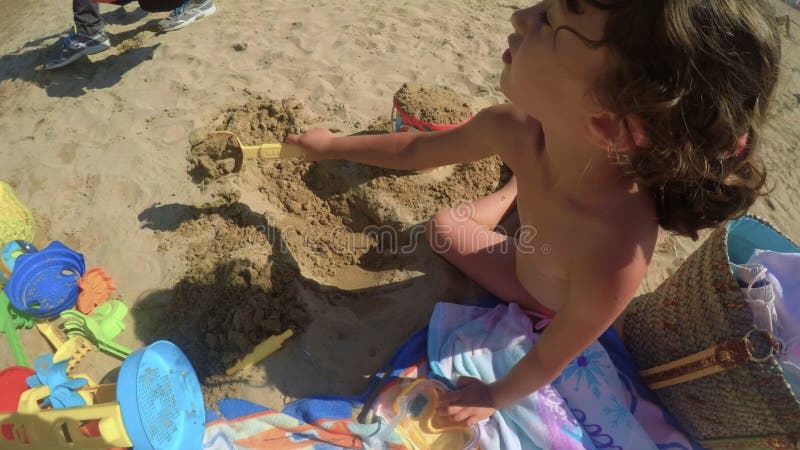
76,45
186,14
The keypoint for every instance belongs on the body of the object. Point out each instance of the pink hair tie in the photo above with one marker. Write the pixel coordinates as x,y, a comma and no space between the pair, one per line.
740,149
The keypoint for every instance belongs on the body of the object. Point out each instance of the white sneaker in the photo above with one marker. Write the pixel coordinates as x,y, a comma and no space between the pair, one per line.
76,45
186,14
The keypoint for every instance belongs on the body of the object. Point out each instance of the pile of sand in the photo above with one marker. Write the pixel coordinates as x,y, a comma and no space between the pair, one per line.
432,104
340,213
212,157
212,154
234,293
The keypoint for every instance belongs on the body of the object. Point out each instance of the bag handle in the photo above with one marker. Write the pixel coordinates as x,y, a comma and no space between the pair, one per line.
729,354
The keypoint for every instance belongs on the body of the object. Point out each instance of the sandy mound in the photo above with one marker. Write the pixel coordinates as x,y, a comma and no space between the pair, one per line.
432,104
233,294
339,213
212,155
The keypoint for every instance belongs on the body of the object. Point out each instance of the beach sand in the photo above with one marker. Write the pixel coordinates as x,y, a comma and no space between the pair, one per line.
98,151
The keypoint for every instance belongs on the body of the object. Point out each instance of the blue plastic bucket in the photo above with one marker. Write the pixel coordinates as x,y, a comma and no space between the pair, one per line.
45,283
160,399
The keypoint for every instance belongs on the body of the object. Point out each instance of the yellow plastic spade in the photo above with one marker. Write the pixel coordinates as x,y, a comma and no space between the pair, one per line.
263,151
261,351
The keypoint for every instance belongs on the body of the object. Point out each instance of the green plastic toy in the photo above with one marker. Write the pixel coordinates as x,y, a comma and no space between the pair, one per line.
8,325
21,319
100,327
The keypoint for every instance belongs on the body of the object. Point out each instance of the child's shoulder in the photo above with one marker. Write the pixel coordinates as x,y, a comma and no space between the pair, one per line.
507,117
616,250
515,133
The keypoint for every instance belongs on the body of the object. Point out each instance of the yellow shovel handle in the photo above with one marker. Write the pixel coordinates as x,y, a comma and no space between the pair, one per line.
262,350
271,151
49,333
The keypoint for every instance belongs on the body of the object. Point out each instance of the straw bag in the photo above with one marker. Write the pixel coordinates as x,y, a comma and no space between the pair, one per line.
699,350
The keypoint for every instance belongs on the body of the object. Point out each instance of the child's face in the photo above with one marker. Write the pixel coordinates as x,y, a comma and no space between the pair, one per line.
550,74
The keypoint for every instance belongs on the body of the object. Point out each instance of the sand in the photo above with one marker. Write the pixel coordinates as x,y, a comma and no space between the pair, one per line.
432,104
101,153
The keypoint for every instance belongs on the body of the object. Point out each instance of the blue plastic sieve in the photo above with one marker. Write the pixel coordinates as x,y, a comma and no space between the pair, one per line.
160,399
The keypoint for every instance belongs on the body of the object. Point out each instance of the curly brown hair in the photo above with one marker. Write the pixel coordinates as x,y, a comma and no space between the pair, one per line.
698,75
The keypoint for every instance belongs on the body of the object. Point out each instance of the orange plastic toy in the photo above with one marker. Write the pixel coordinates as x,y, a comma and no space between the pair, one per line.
96,287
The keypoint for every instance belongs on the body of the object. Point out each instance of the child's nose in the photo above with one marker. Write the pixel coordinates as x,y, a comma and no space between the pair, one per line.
523,19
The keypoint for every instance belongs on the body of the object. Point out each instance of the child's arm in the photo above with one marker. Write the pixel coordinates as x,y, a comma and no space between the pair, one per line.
596,298
589,311
479,138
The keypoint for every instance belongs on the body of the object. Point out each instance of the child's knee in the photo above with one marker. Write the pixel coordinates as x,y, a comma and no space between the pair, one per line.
439,230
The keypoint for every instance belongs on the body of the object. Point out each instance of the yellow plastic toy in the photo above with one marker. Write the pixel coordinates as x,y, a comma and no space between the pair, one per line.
419,425
71,427
261,351
262,151
16,221
74,348
49,333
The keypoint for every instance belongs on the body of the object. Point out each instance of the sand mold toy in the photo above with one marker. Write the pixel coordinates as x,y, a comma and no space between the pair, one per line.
96,287
63,389
419,107
105,323
12,385
417,423
45,283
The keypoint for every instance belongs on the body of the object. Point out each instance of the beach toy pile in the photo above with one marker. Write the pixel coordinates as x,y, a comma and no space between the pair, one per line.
156,402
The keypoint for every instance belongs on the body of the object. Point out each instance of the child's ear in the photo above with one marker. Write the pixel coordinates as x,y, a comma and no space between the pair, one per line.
615,134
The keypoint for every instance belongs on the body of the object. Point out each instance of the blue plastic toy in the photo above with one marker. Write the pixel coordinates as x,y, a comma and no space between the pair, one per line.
9,254
54,376
45,283
160,399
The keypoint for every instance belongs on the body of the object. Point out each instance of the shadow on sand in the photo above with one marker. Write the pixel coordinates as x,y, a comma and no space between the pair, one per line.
82,76
154,314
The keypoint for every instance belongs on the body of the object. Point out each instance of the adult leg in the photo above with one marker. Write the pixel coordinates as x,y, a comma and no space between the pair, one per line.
88,38
87,17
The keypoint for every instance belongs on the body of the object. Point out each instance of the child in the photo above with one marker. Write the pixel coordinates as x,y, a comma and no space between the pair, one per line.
624,115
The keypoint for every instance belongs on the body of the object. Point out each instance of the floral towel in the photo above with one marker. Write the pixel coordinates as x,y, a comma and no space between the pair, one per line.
591,405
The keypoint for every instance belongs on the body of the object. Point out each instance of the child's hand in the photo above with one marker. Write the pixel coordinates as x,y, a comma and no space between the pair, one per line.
470,404
315,143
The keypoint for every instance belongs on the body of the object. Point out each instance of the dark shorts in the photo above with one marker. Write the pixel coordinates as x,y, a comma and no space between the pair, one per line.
160,5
